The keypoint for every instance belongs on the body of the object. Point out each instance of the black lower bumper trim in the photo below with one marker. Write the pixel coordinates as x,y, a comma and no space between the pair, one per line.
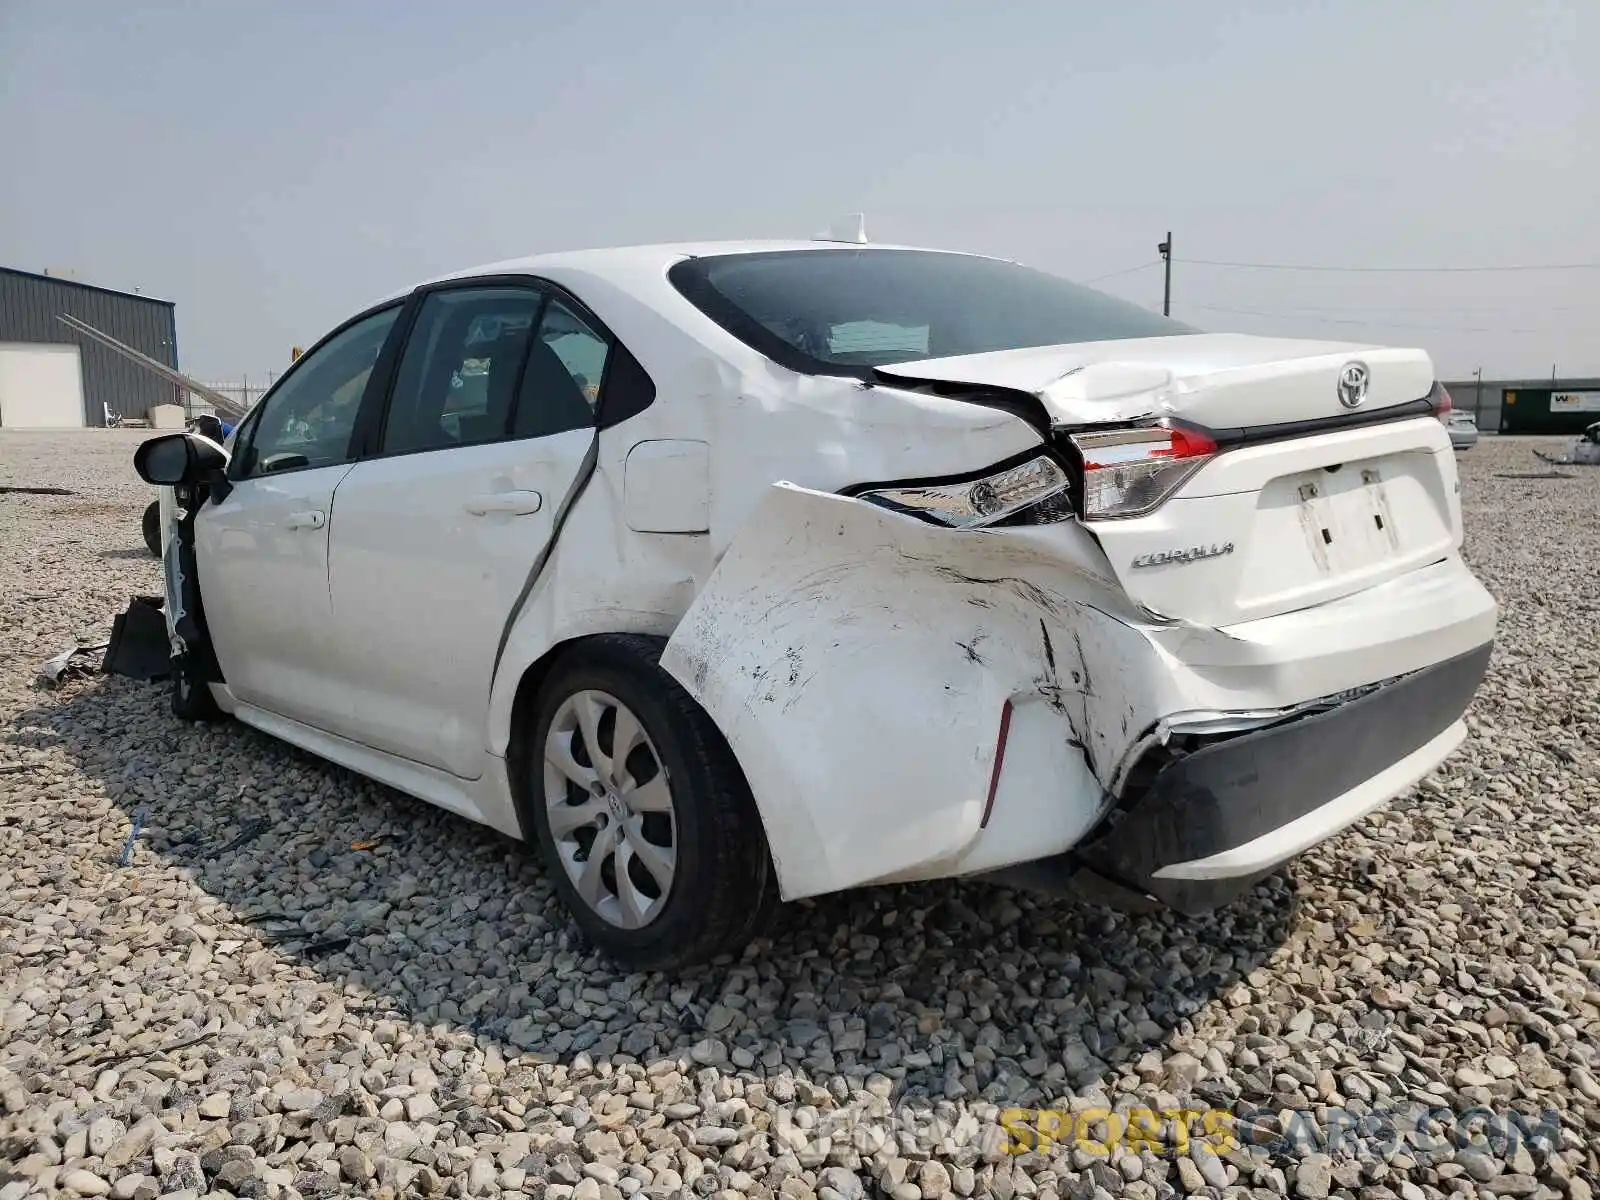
1231,792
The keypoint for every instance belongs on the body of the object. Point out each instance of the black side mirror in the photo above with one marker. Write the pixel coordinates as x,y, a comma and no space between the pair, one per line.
180,458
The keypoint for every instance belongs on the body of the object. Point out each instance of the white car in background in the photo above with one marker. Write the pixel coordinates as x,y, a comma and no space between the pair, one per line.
754,570
1463,428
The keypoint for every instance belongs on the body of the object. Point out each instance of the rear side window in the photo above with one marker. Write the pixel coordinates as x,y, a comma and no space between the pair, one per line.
459,374
566,365
847,311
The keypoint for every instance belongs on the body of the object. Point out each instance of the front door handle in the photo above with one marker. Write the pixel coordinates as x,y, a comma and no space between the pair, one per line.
516,504
312,518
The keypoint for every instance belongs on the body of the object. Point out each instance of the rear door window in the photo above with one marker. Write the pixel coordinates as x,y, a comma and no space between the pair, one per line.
566,367
463,362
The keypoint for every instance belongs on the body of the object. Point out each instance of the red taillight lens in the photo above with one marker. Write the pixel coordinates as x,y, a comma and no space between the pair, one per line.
1191,443
1439,397
1130,472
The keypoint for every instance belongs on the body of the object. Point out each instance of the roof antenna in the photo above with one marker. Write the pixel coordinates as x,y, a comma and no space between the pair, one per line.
851,228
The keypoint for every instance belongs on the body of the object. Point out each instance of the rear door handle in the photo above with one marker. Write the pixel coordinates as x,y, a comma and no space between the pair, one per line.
312,518
517,504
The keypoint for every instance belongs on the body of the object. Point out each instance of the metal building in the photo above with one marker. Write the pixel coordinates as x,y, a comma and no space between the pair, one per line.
1546,406
51,376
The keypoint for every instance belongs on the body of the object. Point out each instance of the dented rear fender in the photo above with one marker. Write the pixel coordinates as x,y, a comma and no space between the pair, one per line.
858,663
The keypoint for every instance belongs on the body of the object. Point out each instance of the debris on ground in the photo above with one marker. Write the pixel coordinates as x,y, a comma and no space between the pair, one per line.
248,832
140,647
126,857
76,660
1585,452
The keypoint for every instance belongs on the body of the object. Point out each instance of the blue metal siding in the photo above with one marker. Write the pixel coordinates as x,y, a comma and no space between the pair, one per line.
30,305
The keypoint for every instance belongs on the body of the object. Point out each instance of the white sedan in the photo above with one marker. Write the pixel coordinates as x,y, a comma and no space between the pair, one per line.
1463,428
737,572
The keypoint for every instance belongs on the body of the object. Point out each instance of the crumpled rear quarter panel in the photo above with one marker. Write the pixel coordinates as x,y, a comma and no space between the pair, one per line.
858,661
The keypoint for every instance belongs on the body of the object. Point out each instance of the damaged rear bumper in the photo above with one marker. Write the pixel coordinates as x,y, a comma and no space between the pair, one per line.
1211,823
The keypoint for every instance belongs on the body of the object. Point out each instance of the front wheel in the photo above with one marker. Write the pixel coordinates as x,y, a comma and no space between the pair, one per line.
642,812
151,527
191,695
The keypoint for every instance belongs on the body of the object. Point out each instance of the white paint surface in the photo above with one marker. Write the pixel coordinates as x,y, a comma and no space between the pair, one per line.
473,519
41,386
667,486
263,566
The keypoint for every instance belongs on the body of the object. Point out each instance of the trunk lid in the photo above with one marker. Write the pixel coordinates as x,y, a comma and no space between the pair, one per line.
1223,380
1280,519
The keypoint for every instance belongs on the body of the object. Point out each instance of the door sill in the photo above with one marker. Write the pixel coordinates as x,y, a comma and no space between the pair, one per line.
426,783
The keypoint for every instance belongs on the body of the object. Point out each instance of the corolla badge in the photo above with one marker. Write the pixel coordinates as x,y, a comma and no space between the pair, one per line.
1353,380
1162,558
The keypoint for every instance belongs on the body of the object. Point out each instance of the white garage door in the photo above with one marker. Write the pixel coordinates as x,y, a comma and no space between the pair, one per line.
41,387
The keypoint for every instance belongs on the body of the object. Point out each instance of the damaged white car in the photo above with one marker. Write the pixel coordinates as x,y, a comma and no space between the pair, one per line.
740,571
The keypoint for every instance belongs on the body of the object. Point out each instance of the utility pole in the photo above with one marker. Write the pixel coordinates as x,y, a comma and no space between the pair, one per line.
1165,249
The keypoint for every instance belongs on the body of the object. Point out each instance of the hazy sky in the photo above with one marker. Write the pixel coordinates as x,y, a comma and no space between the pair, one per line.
274,166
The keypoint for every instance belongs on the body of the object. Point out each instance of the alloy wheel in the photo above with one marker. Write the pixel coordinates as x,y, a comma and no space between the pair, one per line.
609,805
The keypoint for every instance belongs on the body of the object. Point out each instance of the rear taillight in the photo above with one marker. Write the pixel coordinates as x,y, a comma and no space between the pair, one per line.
1130,472
1439,398
1034,490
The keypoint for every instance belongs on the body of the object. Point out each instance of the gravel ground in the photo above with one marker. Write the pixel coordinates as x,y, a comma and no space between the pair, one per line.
255,1007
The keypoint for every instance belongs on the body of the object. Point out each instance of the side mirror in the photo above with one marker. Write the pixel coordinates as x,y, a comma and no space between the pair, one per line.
180,458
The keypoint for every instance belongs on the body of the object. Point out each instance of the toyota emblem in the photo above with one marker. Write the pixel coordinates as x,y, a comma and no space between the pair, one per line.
1353,380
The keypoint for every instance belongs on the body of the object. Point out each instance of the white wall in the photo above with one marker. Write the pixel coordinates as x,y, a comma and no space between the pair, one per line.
41,386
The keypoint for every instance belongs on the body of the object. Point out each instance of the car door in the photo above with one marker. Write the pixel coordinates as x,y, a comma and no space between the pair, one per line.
263,550
434,539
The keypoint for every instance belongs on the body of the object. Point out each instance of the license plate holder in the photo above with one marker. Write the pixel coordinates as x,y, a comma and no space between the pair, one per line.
1346,517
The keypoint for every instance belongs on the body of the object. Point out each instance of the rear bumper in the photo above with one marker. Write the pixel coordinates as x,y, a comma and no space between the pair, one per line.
1215,821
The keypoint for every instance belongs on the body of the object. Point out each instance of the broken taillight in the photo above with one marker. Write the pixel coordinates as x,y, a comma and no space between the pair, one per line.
1130,472
1011,493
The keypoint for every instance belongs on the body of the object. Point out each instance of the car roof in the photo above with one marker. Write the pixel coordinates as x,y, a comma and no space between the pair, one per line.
620,264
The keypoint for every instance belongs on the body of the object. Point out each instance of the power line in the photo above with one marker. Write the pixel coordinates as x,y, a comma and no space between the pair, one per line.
1379,324
1124,271
1465,310
1255,266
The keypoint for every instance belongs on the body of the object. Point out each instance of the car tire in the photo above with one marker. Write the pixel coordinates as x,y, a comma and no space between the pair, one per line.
191,695
689,876
152,527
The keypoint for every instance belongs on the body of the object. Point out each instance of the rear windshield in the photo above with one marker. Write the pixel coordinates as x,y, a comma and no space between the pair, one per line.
847,311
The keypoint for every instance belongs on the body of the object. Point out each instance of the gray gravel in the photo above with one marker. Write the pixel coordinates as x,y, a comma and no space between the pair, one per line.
254,1008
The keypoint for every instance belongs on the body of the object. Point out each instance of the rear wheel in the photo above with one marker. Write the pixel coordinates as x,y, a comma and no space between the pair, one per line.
642,812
